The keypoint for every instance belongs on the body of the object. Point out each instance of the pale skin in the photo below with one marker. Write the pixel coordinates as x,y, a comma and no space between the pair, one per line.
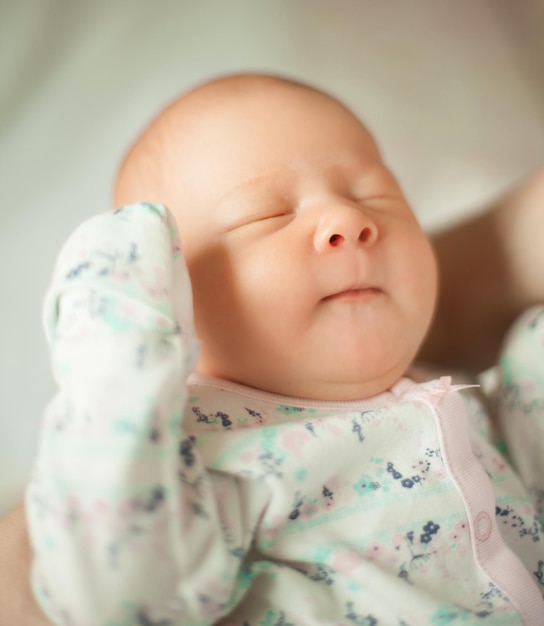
351,278
311,276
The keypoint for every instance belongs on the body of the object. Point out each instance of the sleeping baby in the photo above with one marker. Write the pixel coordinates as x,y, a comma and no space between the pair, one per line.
239,436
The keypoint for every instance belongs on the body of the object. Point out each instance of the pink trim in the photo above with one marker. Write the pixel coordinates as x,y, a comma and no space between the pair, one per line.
386,398
491,553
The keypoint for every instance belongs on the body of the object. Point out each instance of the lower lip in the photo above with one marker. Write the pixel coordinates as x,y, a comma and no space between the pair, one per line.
353,295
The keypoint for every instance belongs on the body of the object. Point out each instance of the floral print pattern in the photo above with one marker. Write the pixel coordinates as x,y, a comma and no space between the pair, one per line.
161,498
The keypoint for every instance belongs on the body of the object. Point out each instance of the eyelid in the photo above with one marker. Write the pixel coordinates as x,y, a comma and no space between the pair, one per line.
374,198
255,219
376,184
392,194
270,216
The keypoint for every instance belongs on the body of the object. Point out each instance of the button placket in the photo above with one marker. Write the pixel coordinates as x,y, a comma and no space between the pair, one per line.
482,526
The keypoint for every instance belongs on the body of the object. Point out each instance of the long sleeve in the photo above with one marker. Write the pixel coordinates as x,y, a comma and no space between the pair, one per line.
521,401
124,524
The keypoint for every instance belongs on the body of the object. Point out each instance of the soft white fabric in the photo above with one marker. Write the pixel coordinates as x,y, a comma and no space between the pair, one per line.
154,501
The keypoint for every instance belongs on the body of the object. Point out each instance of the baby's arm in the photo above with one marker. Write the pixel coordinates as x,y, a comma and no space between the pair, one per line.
491,270
125,530
520,401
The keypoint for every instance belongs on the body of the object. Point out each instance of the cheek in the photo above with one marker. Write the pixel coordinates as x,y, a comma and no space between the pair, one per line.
419,277
242,294
429,271
212,280
268,273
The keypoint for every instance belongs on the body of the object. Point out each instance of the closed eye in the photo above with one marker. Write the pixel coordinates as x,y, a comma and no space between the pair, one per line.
377,198
269,219
376,185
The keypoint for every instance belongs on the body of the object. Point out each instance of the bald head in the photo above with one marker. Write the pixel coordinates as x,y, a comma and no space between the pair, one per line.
145,173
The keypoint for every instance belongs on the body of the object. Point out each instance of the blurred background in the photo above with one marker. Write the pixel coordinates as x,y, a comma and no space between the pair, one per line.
454,91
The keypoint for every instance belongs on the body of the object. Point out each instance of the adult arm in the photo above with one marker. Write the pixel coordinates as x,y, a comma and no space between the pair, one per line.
17,602
492,269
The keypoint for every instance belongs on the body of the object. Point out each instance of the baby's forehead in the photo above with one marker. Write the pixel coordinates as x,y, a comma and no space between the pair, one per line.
210,135
226,118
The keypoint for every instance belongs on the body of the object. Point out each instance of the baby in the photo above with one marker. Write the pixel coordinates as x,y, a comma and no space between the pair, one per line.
286,467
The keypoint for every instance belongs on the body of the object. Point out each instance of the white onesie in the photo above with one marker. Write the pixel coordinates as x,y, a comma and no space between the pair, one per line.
164,498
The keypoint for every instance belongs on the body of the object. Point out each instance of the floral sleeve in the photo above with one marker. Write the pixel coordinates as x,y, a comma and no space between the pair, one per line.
521,401
123,521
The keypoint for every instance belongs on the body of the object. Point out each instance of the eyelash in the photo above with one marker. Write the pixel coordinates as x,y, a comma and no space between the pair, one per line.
260,220
375,198
271,217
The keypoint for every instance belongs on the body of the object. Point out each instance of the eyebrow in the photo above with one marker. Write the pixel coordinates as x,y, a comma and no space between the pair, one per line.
248,201
255,182
263,184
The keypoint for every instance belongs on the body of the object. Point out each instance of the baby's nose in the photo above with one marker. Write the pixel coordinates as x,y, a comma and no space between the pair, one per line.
343,227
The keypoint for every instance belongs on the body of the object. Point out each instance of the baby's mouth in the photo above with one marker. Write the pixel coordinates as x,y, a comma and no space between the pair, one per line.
355,294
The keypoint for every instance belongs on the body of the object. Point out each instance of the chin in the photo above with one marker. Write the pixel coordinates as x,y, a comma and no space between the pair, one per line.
374,375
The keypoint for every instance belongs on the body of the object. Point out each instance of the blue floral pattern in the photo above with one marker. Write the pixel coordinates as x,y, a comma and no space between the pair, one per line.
165,499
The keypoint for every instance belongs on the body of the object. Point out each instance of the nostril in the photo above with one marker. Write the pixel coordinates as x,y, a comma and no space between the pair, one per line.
335,240
366,234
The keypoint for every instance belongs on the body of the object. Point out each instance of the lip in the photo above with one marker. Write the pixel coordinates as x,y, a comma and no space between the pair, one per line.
355,294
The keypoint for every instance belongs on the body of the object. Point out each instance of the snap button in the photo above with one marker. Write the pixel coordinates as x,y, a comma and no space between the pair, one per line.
482,526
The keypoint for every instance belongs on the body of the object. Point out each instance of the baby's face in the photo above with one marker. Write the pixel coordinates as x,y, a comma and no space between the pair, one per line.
311,276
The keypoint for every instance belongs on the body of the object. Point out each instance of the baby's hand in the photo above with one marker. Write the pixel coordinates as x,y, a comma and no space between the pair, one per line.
127,264
119,320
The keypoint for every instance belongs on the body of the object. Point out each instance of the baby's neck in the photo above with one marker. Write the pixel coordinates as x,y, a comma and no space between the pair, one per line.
319,394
